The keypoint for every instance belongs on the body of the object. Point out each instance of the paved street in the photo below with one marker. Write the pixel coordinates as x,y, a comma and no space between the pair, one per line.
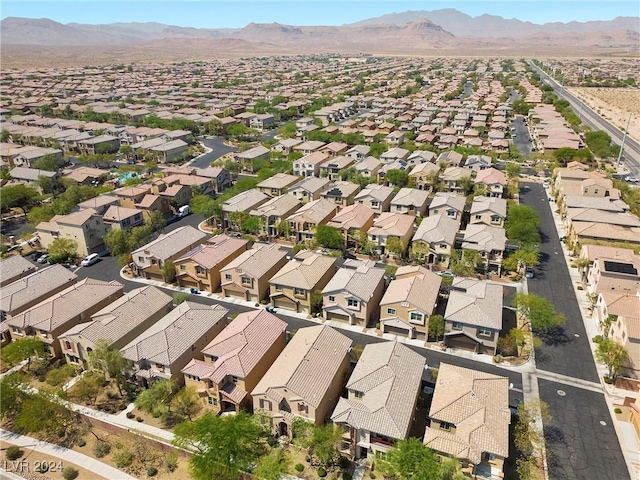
566,350
218,148
521,139
579,445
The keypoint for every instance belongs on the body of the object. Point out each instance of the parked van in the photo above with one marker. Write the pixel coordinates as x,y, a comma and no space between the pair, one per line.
183,211
90,260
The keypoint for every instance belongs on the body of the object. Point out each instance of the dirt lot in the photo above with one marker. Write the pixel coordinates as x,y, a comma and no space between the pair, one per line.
614,104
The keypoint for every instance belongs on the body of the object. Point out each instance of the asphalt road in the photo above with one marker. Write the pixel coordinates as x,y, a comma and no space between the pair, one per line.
566,350
631,153
521,139
218,148
579,445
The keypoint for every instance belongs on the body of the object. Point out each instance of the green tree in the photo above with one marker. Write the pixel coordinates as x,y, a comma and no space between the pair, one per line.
512,170
396,246
110,361
186,404
13,393
397,178
251,225
419,251
157,398
118,242
528,438
89,387
62,249
436,326
180,297
45,184
538,312
168,271
316,301
377,149
21,349
203,205
324,443
156,221
48,162
410,459
223,446
18,196
329,237
612,354
522,224
273,466
41,412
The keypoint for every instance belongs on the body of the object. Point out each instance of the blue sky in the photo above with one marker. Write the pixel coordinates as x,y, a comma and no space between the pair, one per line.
237,13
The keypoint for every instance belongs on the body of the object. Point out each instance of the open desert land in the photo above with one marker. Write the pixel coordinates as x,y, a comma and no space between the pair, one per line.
614,104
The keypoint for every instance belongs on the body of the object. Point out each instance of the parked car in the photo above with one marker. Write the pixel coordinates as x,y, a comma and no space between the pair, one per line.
529,272
90,260
446,273
43,258
36,255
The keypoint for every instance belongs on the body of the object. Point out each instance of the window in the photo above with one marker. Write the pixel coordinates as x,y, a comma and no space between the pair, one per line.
246,281
484,332
332,298
213,401
358,394
416,317
183,268
391,311
141,259
353,303
227,276
479,217
278,288
456,326
200,270
299,291
375,204
445,426
234,380
303,408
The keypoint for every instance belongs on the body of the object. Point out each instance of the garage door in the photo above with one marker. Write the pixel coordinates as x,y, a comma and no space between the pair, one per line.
462,342
338,317
234,294
188,282
284,302
396,330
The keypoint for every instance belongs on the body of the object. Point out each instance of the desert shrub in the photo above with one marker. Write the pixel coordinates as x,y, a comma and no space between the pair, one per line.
617,410
171,462
343,462
123,458
299,467
13,453
152,471
139,419
131,415
70,473
101,449
42,378
58,376
322,472
497,358
372,475
81,442
597,339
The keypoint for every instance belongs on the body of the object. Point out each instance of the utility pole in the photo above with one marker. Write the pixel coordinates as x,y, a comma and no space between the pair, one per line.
624,137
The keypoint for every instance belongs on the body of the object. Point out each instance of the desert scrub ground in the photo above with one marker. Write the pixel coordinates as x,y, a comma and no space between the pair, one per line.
614,104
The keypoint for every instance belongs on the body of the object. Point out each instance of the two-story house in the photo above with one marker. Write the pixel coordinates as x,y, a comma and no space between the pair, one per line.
306,379
381,401
368,167
85,227
220,178
309,188
469,419
352,219
278,184
389,225
118,323
494,181
150,258
456,179
409,301
122,218
166,347
437,234
410,201
247,276
236,360
487,240
341,193
293,285
274,211
309,165
242,203
49,319
376,197
303,223
200,267
331,168
473,317
353,294
450,205
424,176
488,210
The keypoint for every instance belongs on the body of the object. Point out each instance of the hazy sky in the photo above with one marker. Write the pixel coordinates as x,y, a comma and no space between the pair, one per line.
237,13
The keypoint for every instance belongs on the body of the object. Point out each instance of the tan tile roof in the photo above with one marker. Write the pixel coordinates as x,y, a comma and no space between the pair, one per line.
279,180
437,229
116,213
484,238
245,201
377,192
392,224
491,176
448,200
390,375
216,250
66,305
477,403
34,287
306,273
168,244
415,285
258,260
175,333
77,218
315,211
13,267
277,206
308,365
354,216
475,302
410,197
489,204
360,282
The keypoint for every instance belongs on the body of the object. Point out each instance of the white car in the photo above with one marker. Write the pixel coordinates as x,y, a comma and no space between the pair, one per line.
90,260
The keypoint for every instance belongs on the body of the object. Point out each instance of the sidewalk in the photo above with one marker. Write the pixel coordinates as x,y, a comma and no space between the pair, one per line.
63,453
14,369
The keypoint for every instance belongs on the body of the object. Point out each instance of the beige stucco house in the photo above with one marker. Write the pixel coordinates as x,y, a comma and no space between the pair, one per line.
376,197
85,227
304,221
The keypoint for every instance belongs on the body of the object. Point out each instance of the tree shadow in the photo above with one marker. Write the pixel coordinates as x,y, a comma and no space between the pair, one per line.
553,434
554,336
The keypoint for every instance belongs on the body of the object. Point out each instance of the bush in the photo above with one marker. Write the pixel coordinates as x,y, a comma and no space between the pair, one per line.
299,467
131,415
322,472
497,358
101,449
344,462
597,339
123,459
171,462
346,476
152,471
42,378
70,473
139,419
81,442
617,410
608,380
13,453
378,325
372,475
580,287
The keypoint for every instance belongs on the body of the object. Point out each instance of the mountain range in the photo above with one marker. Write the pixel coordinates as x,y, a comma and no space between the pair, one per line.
445,31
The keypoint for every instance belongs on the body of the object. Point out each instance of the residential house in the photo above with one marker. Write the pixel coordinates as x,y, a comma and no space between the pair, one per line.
122,218
274,211
261,121
220,178
334,149
614,275
85,227
303,223
131,196
331,168
621,312
451,158
86,175
33,287
166,347
448,204
277,184
309,165
423,176
285,146
352,219
309,188
99,144
49,319
248,156
593,254
118,323
389,225
247,276
421,156
353,294
456,179
410,201
100,204
341,193
376,197
477,163
358,152
473,317
382,397
153,203
200,267
150,258
236,360
306,379
437,234
409,301
494,182
469,419
309,147
368,167
167,151
14,268
394,154
293,286
31,176
489,241
242,203
488,210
